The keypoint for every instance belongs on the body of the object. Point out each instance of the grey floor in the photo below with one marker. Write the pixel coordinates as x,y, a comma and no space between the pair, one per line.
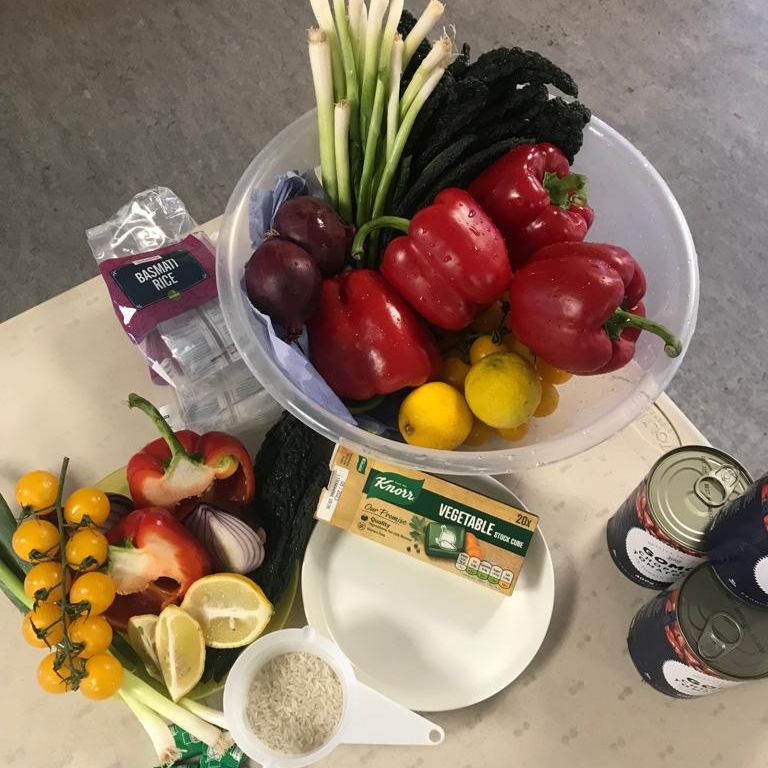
100,99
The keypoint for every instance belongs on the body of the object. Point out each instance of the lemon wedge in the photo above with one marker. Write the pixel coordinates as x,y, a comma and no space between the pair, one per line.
180,651
231,609
141,636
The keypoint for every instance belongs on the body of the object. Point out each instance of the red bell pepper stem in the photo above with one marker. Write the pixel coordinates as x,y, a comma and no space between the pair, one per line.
394,222
567,190
177,449
621,318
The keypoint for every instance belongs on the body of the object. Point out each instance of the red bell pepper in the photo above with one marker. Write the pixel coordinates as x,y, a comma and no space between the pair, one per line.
451,265
365,340
146,546
578,306
534,199
182,466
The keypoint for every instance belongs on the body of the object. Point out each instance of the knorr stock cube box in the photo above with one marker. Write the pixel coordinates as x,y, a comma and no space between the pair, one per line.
460,531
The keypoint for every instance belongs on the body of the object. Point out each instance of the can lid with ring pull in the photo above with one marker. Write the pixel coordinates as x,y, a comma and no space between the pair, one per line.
688,486
368,717
726,633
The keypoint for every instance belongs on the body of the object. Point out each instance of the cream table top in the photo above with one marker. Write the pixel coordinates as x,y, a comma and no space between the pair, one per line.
67,370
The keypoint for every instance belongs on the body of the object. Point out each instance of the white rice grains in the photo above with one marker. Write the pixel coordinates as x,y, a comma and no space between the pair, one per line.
295,702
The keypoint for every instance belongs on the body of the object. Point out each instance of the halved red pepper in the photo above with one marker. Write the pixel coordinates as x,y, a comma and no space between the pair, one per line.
578,306
153,560
451,265
365,340
534,199
183,466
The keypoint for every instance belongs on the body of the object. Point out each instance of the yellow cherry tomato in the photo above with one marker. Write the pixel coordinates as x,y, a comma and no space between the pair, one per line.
514,434
513,345
93,632
50,679
90,502
483,346
45,577
453,371
480,433
46,617
86,549
490,320
550,373
104,676
549,400
35,540
37,490
94,588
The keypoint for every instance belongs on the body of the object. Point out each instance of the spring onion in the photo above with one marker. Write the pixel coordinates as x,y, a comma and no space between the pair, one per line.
157,730
354,11
203,731
393,160
393,105
322,11
322,76
388,36
365,195
371,64
439,56
341,123
362,28
346,38
421,29
204,712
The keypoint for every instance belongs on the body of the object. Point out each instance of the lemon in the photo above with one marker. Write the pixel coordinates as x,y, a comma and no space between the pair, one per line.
435,415
231,609
503,390
141,636
180,650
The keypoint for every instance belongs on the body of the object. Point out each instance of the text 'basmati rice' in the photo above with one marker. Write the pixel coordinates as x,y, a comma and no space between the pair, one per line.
295,703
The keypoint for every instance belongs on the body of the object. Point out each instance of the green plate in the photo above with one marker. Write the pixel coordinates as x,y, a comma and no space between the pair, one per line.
117,482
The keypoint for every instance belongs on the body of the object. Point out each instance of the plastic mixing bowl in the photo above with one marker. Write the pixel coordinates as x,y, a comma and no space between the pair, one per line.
634,208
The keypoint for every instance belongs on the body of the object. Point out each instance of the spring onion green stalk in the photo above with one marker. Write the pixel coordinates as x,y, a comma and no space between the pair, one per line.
204,712
421,29
393,106
362,30
341,117
322,11
439,56
354,9
200,729
322,76
388,36
371,65
14,587
365,196
157,730
393,160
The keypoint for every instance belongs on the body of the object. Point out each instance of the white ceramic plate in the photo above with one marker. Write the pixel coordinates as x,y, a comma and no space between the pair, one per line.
411,631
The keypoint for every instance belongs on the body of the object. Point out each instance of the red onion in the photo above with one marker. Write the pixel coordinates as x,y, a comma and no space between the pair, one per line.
232,544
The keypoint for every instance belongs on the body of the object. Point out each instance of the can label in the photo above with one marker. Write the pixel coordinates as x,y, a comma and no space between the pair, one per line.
663,656
737,544
641,551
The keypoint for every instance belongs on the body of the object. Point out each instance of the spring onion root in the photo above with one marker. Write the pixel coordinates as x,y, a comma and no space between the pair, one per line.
421,29
157,730
322,11
439,56
322,76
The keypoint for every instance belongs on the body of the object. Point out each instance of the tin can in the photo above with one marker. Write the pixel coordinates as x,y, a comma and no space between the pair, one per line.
737,544
697,638
656,535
